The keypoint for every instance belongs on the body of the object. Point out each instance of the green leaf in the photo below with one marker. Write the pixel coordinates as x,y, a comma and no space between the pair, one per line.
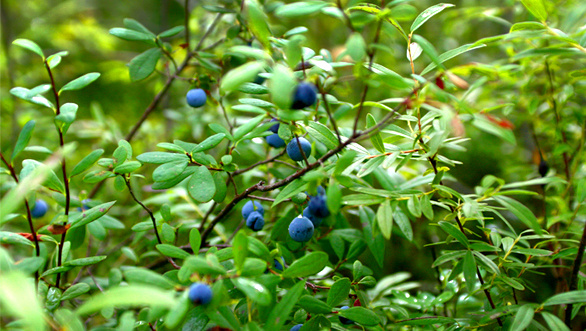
56,270
85,261
356,47
376,139
280,313
201,185
125,296
451,54
55,59
298,9
308,265
282,85
247,127
86,162
80,82
360,315
524,214
200,265
147,277
426,320
169,170
23,138
322,134
258,22
338,292
566,298
240,249
52,181
7,238
161,157
453,231
469,271
66,116
389,77
209,143
30,45
290,190
253,290
144,64
127,167
428,49
523,317
313,305
195,240
90,215
131,35
537,8
240,75
427,14
136,26
553,322
172,251
74,291
252,88
403,223
384,217
487,126
171,32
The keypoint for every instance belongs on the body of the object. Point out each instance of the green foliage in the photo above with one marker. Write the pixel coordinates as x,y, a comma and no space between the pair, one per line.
454,182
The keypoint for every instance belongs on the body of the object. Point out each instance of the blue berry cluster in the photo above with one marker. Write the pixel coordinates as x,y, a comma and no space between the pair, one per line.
274,140
317,208
253,213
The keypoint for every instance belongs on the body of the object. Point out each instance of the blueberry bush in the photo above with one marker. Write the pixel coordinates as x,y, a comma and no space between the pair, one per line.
293,165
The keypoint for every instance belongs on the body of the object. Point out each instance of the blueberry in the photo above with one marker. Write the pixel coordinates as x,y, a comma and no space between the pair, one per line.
255,221
196,97
305,96
84,204
301,229
293,149
317,206
344,320
39,209
200,294
314,219
249,208
275,141
296,327
275,127
279,264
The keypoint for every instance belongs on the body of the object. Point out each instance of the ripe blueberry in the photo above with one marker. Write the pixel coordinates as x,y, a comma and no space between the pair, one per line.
249,208
301,229
200,294
314,219
296,327
40,208
255,221
293,149
196,97
279,264
274,140
317,206
344,320
305,96
84,204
